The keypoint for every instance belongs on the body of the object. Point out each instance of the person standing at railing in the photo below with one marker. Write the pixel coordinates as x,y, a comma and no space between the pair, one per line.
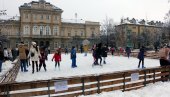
163,55
1,58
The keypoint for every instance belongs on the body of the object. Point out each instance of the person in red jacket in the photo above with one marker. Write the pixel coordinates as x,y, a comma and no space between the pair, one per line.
57,57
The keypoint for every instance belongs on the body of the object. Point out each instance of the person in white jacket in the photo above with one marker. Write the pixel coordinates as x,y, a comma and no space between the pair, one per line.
34,55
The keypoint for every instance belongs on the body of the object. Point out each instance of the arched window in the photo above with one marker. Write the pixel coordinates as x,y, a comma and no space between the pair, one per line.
48,31
35,30
55,30
26,30
41,30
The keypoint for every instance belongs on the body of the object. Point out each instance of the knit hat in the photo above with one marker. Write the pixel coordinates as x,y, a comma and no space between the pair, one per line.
33,43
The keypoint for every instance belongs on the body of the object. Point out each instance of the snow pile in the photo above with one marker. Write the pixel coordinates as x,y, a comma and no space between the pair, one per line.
6,66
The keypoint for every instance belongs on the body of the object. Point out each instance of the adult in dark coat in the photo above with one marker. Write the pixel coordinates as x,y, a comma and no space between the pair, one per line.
128,51
98,53
141,55
104,53
42,59
14,53
1,58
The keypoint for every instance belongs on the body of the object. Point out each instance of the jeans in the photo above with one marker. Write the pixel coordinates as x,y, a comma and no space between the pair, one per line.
1,65
23,65
74,62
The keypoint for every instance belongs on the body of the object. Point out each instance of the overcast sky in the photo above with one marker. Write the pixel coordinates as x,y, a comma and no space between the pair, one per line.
97,10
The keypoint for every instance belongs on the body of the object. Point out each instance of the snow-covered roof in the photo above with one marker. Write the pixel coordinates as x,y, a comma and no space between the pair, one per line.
79,21
5,17
141,22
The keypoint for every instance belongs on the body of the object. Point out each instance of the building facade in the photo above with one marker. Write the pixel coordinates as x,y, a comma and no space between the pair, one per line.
42,22
134,33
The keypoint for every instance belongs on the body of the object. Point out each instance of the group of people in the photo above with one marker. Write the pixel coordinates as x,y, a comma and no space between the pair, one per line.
37,55
99,51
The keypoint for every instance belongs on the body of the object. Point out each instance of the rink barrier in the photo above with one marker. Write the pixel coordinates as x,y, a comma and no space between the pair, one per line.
11,75
87,84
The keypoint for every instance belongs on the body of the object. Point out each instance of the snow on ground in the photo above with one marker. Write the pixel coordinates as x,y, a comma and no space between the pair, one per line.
6,66
160,89
114,63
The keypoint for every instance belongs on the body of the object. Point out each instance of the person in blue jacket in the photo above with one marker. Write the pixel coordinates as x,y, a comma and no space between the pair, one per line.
73,56
141,55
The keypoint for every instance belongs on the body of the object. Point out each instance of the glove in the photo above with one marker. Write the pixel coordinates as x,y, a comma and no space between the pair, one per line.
52,60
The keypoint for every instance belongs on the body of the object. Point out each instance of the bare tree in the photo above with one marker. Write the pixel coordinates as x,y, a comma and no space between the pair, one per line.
166,32
107,28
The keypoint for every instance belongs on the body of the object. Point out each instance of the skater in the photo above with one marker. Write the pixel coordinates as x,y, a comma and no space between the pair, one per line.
112,50
22,56
104,53
42,59
73,57
57,57
128,51
94,54
34,55
66,51
141,55
98,54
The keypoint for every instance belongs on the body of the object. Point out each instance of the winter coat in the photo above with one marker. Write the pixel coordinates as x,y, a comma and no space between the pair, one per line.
112,49
73,53
104,51
141,54
43,56
1,56
21,49
57,57
98,52
128,50
35,53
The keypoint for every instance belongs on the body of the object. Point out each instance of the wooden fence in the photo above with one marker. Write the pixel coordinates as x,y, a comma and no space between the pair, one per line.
11,75
86,85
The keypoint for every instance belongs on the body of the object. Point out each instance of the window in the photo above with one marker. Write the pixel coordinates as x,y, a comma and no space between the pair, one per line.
56,45
69,34
41,17
75,33
92,34
55,17
48,30
55,30
134,27
81,33
47,17
35,29
35,17
26,30
26,16
41,30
